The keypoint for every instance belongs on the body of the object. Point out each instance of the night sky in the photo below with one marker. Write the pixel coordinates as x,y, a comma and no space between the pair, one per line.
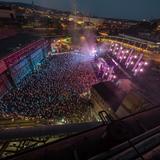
125,9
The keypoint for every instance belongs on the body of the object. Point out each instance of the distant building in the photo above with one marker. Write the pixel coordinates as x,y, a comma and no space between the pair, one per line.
7,15
86,19
115,26
150,49
140,42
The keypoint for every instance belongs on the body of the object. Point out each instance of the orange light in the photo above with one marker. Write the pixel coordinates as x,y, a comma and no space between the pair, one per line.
82,38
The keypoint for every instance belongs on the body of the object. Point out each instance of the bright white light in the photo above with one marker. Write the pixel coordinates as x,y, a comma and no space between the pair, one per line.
141,70
124,57
114,77
94,51
136,70
145,63
121,48
62,120
127,51
135,56
99,65
132,63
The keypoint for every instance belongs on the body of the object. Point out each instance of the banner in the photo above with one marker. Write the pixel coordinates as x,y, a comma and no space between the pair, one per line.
20,70
37,58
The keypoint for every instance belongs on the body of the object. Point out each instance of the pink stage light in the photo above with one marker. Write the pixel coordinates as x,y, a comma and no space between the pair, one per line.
135,56
140,64
114,77
94,51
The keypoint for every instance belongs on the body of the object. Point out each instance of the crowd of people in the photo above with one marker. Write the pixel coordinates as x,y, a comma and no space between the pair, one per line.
53,92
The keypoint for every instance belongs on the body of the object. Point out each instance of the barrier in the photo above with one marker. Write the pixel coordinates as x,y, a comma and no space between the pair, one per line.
3,66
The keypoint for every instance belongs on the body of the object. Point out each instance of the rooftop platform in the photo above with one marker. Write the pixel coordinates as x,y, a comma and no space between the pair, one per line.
110,94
